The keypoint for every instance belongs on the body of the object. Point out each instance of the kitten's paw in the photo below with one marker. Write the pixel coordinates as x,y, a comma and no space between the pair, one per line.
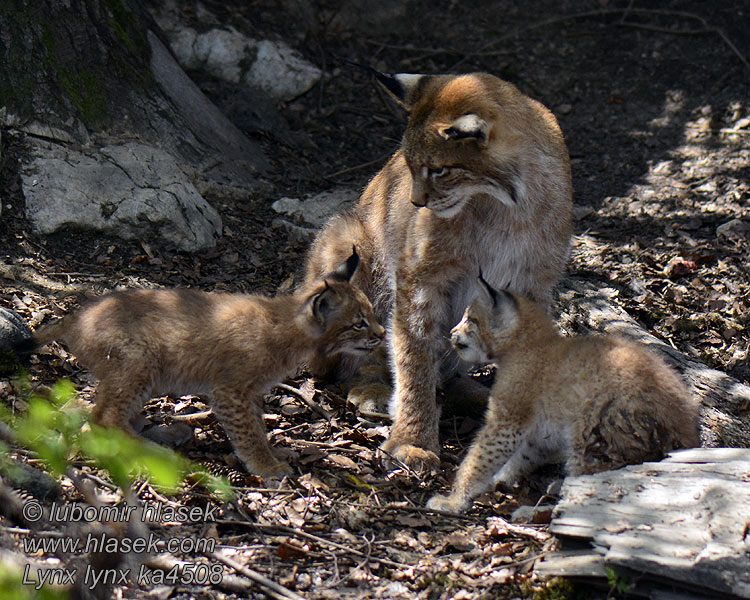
370,397
173,435
447,504
417,459
280,469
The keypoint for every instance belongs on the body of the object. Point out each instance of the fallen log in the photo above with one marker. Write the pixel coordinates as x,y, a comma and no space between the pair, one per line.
725,413
682,523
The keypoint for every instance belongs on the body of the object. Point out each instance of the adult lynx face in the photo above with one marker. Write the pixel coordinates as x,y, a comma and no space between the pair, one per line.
456,145
482,178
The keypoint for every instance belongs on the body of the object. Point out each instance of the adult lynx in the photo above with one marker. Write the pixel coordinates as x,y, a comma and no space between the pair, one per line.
232,347
482,177
596,402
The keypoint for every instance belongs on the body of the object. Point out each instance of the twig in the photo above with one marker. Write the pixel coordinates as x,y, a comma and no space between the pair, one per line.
192,418
166,562
306,398
724,130
370,414
102,482
624,12
318,539
26,531
357,167
270,587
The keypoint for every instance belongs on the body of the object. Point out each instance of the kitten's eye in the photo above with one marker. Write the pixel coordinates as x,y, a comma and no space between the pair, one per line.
361,325
437,172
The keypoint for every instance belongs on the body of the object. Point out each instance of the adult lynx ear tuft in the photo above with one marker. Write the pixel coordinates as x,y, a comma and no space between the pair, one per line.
467,127
345,271
404,87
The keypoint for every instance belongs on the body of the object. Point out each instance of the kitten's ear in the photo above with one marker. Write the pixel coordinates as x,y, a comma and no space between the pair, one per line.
503,303
487,293
404,87
345,271
323,304
467,127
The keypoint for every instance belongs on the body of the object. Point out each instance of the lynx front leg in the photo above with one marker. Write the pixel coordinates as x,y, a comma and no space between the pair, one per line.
241,415
489,452
414,435
119,402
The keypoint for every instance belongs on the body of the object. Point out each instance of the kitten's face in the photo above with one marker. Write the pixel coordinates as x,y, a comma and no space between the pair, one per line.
346,320
469,336
354,330
339,315
487,326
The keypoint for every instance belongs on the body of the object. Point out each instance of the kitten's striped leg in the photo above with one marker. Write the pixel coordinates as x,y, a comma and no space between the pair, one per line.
494,445
241,415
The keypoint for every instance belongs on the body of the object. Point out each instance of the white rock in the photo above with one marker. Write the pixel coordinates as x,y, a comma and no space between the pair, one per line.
129,190
281,72
227,54
317,209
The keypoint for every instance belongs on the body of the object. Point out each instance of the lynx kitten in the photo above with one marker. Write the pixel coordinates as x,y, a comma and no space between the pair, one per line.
596,402
232,347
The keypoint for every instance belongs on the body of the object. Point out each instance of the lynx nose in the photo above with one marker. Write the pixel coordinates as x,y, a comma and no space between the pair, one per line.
456,340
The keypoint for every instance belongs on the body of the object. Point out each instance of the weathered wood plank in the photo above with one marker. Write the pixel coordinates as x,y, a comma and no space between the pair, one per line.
686,519
572,563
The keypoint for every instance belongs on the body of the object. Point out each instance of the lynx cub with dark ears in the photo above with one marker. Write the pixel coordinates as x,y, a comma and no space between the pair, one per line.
232,347
595,402
482,177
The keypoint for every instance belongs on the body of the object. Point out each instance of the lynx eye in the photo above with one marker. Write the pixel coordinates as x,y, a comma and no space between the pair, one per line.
361,325
437,172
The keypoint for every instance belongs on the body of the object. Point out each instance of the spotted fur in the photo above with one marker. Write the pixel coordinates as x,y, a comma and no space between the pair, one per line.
231,347
594,403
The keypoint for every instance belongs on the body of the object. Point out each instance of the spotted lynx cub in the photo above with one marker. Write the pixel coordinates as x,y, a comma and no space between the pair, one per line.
232,347
482,177
596,402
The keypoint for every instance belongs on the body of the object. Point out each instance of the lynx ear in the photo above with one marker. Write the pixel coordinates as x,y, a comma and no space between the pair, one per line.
501,301
404,87
467,127
488,293
323,305
345,271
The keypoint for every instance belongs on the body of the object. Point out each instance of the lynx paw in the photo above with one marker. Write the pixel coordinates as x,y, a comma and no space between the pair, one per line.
417,459
447,504
275,468
280,469
370,397
173,435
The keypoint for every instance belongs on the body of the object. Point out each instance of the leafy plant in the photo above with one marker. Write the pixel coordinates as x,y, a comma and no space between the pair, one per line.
618,584
11,589
54,429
